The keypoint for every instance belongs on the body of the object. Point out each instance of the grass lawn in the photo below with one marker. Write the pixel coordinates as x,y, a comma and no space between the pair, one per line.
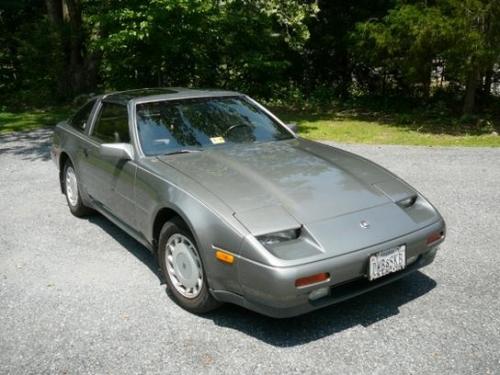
24,121
343,127
351,127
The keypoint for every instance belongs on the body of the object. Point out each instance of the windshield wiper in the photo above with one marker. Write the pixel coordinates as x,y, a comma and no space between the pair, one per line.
181,151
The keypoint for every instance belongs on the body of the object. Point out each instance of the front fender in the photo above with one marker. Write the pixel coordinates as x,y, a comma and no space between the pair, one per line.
211,226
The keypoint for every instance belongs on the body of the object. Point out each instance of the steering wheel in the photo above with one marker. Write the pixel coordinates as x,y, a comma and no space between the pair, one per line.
232,127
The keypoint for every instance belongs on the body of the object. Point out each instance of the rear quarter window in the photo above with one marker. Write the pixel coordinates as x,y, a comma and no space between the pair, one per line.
80,119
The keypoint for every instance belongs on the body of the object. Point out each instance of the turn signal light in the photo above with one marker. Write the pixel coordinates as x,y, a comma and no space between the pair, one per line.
436,236
310,280
224,257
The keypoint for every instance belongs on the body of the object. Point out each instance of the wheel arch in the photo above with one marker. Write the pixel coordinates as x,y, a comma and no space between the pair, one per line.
63,159
163,215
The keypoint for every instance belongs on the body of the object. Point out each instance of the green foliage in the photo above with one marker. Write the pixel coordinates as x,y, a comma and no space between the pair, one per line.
27,62
404,48
306,53
238,43
475,40
329,62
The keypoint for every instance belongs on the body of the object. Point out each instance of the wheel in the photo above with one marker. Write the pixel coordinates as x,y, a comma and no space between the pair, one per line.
182,268
72,192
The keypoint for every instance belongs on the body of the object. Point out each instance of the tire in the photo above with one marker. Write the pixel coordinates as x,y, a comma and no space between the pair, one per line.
184,270
72,191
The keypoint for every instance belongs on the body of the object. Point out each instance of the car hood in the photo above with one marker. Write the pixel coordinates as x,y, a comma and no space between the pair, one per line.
273,184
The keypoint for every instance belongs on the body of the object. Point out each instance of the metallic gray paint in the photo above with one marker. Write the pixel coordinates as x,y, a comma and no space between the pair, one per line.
229,195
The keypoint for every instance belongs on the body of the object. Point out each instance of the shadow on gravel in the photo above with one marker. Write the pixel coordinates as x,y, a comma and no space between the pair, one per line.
135,248
32,146
363,310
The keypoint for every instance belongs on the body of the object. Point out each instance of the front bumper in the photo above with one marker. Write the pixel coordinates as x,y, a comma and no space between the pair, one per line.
271,290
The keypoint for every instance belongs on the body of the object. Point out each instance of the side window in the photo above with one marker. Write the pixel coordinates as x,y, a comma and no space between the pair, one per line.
112,124
80,119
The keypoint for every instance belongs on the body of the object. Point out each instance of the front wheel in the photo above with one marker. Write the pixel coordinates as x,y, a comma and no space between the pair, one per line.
72,192
182,268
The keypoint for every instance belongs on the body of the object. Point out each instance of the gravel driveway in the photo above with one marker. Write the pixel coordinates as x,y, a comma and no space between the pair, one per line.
80,296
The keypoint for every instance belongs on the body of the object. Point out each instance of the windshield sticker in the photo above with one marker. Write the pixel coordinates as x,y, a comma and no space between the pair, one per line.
217,140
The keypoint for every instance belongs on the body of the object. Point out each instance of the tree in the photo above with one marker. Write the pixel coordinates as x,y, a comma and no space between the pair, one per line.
402,46
240,44
78,70
329,59
476,47
58,49
27,63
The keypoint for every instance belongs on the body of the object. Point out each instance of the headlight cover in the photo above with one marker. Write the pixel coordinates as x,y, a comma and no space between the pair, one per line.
277,237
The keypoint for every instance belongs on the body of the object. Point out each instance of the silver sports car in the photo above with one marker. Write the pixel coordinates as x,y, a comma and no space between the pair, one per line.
236,207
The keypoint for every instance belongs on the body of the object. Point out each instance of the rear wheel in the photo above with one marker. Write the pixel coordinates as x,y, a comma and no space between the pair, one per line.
72,192
183,270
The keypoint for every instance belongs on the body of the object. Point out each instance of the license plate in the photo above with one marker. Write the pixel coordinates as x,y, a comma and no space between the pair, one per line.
387,261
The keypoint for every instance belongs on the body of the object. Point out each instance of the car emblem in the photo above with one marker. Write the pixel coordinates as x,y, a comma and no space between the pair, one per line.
364,224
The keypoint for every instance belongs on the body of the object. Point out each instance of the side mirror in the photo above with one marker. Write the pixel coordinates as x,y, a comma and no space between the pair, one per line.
120,151
293,127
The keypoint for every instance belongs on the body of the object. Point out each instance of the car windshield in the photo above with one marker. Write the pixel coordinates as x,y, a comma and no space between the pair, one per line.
186,125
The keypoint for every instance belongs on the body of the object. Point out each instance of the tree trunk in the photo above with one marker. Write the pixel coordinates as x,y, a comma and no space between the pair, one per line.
75,46
470,90
55,15
426,81
65,17
91,70
54,11
488,80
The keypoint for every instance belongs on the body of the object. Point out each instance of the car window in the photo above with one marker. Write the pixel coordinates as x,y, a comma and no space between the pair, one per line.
81,117
112,124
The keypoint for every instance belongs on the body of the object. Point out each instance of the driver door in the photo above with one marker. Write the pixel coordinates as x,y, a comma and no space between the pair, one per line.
110,180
